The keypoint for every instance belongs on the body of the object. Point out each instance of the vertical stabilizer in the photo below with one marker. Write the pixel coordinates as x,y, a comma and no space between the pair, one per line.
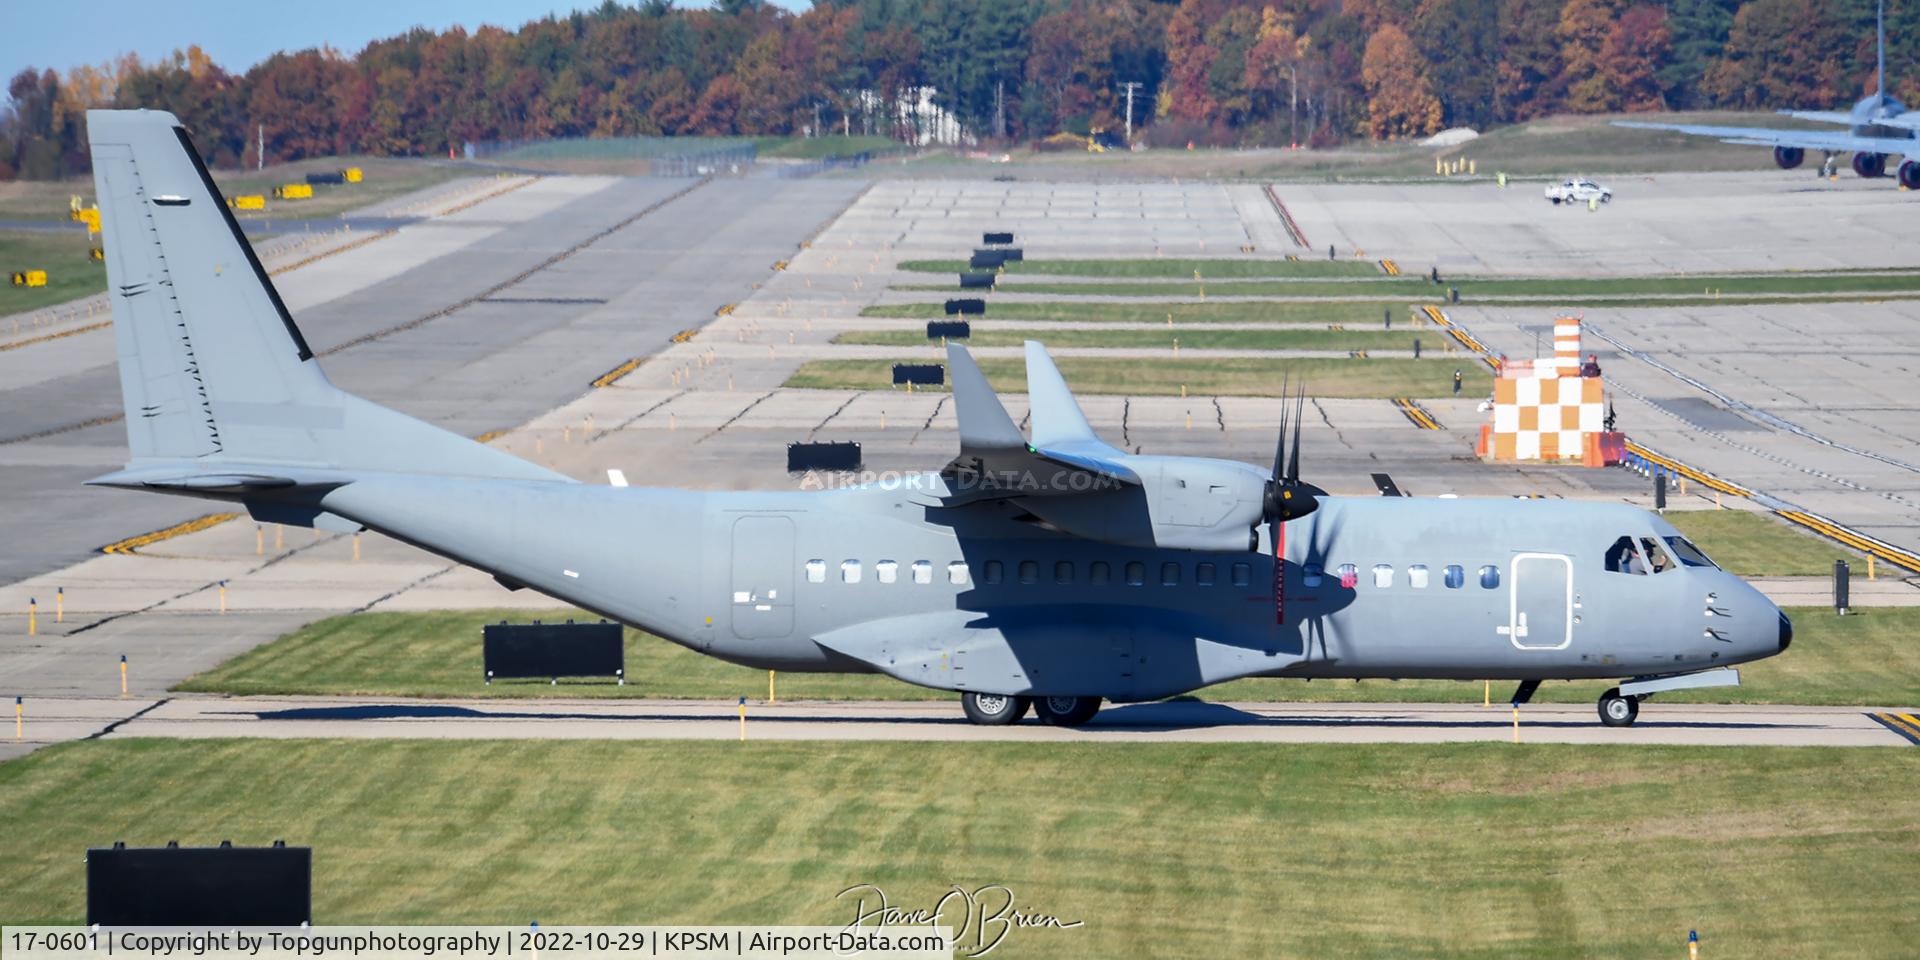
212,368
1880,51
198,325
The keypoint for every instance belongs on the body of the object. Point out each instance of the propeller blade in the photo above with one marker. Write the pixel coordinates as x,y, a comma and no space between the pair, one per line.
1299,414
1280,446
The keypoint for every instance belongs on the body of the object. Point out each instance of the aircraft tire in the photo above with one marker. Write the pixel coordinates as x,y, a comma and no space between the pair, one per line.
1618,711
994,709
1065,711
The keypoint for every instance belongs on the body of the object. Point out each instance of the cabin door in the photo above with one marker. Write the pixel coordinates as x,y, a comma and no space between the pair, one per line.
762,577
1540,606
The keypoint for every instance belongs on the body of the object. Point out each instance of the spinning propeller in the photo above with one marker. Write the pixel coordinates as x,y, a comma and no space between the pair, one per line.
1287,496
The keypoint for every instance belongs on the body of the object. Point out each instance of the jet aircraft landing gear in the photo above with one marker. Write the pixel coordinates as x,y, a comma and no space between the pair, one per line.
994,709
1066,711
1617,710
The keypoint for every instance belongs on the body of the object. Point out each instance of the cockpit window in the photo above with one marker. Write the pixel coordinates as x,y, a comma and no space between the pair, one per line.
1656,558
1623,558
1688,553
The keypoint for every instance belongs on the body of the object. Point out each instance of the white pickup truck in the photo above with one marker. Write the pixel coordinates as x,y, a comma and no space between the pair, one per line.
1578,190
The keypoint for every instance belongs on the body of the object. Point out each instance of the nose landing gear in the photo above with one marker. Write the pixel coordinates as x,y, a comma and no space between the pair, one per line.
1617,710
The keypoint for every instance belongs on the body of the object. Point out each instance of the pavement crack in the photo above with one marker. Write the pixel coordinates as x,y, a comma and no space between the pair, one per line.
736,417
123,721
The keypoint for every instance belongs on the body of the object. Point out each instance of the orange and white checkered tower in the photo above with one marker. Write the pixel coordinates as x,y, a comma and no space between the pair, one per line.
1544,410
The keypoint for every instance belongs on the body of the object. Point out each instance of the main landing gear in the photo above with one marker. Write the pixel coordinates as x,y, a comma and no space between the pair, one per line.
1617,710
999,710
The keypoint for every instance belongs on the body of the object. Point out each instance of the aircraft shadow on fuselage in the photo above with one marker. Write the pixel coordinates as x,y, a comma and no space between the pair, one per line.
1154,626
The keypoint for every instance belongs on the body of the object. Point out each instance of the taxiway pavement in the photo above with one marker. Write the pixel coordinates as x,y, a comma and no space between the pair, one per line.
192,717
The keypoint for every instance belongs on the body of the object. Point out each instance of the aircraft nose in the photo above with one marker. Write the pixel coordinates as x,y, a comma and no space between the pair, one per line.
1786,632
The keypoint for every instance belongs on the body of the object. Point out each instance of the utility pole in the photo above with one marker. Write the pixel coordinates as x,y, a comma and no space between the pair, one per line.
259,147
1130,86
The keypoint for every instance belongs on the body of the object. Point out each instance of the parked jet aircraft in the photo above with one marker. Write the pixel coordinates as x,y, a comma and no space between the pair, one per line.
1878,127
1051,571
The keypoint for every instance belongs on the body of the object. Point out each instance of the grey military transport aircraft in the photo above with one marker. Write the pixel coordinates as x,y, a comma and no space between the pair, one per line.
1049,571
1878,126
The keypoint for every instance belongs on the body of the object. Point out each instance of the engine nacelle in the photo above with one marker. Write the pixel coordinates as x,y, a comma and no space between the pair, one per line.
1910,175
1788,157
1870,165
1182,503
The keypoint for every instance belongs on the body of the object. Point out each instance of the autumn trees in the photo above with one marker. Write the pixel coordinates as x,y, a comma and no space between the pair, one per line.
1224,72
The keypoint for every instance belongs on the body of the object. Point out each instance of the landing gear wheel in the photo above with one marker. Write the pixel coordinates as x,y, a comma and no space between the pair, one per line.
1618,711
1065,711
994,709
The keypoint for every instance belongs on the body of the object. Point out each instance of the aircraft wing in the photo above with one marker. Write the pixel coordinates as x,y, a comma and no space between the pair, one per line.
996,461
1834,141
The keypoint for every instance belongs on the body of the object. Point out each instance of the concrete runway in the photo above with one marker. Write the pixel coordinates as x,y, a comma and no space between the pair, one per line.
56,719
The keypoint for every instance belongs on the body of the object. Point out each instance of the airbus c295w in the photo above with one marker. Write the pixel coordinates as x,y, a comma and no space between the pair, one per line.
1049,572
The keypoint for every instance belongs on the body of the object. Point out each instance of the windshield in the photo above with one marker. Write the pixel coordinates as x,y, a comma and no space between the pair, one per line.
1687,553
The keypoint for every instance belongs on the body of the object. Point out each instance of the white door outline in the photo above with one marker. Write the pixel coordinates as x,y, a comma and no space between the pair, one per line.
1517,619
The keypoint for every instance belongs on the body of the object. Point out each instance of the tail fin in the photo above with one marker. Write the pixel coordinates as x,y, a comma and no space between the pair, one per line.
984,423
212,368
1880,51
1057,420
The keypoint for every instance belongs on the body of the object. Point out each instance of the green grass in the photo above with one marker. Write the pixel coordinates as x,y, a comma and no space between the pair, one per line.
438,654
820,148
1175,850
386,177
63,255
1233,376
1345,312
1201,338
1755,545
1866,658
1165,267
1570,290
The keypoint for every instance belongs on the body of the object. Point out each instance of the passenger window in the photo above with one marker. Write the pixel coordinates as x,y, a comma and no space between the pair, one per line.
1311,574
923,571
957,572
1656,558
1063,571
1383,575
1029,571
850,571
1099,573
886,571
1623,558
1169,574
1349,575
816,571
1490,576
1456,576
1203,575
994,571
1242,574
1417,576
1136,573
